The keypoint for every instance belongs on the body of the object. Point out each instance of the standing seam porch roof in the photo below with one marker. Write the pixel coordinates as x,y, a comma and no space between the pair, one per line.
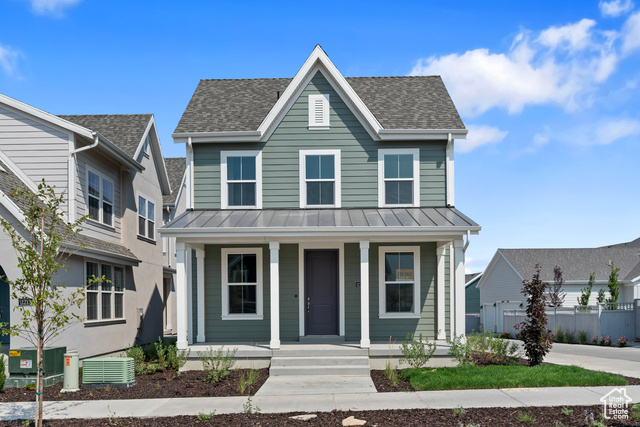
254,220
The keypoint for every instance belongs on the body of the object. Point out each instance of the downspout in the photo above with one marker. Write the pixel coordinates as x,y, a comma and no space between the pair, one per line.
450,201
72,176
464,248
190,192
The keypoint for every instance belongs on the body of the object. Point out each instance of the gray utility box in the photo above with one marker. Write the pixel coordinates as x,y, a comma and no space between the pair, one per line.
23,366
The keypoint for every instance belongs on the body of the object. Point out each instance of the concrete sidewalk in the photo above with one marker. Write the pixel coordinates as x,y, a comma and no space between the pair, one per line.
521,397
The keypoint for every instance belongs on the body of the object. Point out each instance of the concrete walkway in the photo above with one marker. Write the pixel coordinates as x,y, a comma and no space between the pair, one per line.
521,397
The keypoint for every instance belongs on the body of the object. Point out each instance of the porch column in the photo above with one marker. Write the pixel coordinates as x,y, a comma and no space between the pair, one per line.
200,293
365,342
274,269
452,294
459,286
181,296
440,293
189,269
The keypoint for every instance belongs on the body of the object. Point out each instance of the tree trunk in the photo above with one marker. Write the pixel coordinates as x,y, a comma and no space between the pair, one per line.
39,381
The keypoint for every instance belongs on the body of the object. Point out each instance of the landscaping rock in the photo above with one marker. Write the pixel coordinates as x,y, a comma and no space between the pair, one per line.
353,421
303,417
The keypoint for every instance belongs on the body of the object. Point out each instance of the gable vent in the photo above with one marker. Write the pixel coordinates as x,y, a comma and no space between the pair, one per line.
319,112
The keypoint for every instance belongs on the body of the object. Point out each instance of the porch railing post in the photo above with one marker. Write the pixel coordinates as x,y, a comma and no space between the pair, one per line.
181,296
274,269
365,342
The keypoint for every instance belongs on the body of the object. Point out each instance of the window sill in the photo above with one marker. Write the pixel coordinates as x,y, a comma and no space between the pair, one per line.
399,316
105,322
242,317
101,225
146,239
241,207
399,206
318,127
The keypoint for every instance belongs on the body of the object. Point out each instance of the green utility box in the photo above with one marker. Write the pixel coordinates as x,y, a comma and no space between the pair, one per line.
105,371
23,366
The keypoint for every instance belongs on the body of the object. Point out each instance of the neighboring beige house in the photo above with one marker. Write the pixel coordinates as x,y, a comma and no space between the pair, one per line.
113,167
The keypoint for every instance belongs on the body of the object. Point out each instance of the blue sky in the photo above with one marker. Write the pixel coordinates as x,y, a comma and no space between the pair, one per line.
549,90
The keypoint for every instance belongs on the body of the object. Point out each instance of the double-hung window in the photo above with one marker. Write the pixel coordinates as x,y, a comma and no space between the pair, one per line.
100,197
105,292
146,218
242,283
241,179
399,272
320,178
399,177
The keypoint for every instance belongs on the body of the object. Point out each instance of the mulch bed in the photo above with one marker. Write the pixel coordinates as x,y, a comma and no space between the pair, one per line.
498,417
153,386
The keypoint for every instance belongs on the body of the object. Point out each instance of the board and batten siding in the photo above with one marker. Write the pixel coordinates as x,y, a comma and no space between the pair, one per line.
39,150
280,158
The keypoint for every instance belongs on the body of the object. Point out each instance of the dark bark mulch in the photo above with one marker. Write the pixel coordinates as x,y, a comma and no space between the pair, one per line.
498,417
153,386
384,385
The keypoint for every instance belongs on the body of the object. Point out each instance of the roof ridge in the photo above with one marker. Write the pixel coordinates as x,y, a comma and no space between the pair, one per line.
108,114
351,77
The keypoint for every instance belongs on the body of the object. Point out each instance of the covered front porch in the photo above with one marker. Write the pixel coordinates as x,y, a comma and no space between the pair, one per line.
355,275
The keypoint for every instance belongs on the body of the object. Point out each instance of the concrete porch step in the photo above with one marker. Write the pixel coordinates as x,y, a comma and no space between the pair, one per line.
321,339
320,361
320,370
319,351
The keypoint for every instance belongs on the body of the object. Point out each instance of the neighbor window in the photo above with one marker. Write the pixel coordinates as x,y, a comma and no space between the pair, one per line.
100,197
146,218
105,298
319,112
398,177
319,178
242,283
241,179
399,281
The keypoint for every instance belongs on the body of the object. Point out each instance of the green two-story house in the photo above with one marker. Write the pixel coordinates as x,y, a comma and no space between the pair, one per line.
319,207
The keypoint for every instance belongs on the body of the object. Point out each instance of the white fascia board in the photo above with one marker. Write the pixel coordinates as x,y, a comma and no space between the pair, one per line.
158,157
317,58
489,268
197,137
119,154
100,255
43,115
478,277
421,134
11,207
179,195
18,172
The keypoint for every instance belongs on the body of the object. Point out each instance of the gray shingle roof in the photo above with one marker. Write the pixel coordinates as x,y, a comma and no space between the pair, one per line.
124,130
317,219
577,263
175,169
9,181
412,102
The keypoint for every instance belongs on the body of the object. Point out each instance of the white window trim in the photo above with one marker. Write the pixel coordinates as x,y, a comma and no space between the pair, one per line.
225,284
100,292
313,125
102,177
146,222
416,176
337,193
224,189
382,314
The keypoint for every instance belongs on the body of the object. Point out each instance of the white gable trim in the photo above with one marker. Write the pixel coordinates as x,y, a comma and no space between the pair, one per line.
491,265
158,158
18,172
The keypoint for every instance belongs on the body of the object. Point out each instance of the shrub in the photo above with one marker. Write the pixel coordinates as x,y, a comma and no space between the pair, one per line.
506,335
582,337
170,358
482,346
138,356
605,340
569,338
559,336
391,373
537,338
248,380
417,352
216,364
594,340
3,375
623,342
30,386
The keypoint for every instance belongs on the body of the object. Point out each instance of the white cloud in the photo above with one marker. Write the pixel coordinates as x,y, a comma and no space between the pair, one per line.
479,136
614,129
51,7
8,60
631,33
615,7
561,66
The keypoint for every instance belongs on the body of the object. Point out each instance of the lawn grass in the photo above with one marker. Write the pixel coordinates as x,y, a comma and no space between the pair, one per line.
509,376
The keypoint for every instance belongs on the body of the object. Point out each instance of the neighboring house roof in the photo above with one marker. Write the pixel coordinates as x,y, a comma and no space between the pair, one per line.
470,279
176,167
124,130
9,181
577,263
419,102
369,220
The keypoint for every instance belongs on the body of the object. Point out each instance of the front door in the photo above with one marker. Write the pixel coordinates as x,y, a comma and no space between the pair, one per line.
321,292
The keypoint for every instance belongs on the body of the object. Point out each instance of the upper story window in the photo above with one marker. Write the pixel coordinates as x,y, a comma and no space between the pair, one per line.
146,218
105,298
399,289
241,179
319,112
100,197
319,178
242,283
399,177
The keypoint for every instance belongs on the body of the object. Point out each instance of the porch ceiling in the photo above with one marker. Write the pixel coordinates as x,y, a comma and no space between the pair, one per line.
370,221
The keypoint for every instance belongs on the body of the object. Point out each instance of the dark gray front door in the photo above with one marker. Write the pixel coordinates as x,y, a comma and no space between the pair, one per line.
321,292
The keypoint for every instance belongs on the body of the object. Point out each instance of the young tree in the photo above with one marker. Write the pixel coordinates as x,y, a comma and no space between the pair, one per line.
556,296
40,255
585,293
533,330
601,296
614,287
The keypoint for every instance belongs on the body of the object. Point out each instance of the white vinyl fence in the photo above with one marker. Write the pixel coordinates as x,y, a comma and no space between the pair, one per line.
622,320
472,322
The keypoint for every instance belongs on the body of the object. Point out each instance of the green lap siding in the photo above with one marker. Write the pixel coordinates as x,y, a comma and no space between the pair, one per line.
280,158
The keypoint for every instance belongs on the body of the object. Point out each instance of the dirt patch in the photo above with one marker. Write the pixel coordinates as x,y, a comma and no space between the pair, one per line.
384,385
153,386
495,417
